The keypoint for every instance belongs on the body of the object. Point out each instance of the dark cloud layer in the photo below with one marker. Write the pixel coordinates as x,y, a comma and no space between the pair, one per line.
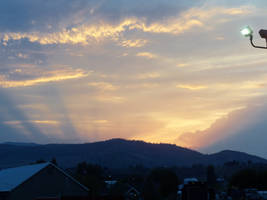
26,15
249,132
150,10
10,52
43,15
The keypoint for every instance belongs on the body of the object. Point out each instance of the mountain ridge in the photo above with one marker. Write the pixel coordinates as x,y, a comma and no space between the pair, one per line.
117,153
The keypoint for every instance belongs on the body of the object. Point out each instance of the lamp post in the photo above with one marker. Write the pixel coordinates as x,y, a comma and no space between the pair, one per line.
248,32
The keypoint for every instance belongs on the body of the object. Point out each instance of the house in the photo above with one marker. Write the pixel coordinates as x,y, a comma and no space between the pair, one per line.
120,191
195,190
190,180
39,181
132,194
110,184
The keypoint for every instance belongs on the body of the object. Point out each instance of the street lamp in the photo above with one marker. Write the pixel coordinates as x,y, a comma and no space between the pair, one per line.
248,32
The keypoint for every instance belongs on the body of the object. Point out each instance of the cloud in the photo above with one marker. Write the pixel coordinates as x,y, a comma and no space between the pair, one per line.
30,15
86,33
142,86
152,75
45,15
134,43
182,65
247,134
110,99
55,77
20,55
191,87
103,86
242,130
146,55
40,122
100,121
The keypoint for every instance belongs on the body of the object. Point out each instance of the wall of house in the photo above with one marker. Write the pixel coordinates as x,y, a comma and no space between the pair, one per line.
4,195
49,182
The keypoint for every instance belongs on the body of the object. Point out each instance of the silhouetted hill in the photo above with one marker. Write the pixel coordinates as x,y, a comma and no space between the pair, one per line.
228,155
116,153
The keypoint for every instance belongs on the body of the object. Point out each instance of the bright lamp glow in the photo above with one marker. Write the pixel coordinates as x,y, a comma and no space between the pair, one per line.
247,31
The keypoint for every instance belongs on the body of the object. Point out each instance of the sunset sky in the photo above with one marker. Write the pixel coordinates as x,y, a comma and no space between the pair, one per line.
171,71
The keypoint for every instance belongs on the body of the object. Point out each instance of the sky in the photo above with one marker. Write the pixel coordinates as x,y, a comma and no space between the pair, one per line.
162,71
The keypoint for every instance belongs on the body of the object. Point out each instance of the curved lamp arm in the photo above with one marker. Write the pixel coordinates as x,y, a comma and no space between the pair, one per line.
255,46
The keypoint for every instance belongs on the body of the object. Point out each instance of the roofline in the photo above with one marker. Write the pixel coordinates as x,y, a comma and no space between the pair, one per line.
73,179
62,171
7,191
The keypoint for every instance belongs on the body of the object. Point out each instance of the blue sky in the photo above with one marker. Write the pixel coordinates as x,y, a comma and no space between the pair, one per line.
160,71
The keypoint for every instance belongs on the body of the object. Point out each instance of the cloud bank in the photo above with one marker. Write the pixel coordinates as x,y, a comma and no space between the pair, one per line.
242,130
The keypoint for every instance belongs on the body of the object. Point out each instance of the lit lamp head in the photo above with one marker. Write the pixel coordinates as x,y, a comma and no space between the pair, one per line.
247,31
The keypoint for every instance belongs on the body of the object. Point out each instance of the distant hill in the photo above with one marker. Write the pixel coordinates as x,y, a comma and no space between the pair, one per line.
116,153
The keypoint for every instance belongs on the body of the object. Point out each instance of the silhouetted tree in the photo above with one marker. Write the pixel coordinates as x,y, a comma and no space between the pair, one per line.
160,184
250,178
39,161
54,161
91,176
211,177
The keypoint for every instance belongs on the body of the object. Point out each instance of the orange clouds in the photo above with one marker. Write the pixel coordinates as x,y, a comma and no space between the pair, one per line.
191,87
152,75
134,43
103,86
84,34
110,99
55,77
40,122
147,55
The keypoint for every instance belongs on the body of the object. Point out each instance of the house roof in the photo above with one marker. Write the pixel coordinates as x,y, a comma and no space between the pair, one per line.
12,177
